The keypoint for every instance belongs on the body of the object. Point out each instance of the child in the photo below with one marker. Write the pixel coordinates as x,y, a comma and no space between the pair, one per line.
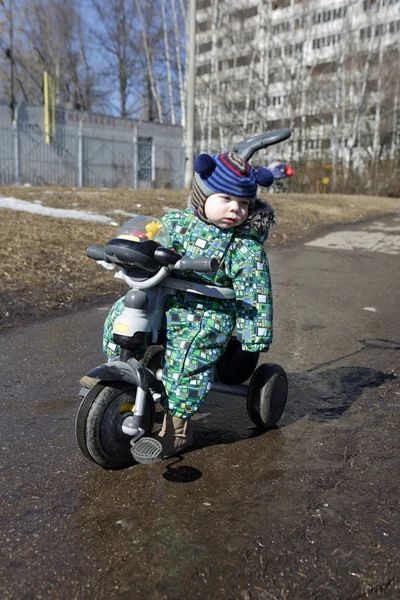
226,221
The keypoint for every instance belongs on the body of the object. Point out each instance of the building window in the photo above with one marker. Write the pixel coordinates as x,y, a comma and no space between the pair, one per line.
248,36
280,4
372,6
394,26
204,69
242,61
329,15
204,47
313,144
329,40
288,50
281,27
203,25
365,33
245,13
275,100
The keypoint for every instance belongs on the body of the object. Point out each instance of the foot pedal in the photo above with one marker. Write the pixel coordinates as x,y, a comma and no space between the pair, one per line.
147,451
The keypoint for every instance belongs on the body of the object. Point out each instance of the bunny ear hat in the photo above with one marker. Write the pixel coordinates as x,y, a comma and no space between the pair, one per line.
225,174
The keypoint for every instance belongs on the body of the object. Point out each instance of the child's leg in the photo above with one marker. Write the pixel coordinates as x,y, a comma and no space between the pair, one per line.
109,348
197,336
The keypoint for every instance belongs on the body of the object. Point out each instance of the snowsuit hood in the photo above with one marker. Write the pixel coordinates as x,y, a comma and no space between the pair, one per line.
258,223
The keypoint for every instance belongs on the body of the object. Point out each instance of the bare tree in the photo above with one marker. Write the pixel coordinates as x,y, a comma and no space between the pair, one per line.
178,54
117,39
168,63
48,36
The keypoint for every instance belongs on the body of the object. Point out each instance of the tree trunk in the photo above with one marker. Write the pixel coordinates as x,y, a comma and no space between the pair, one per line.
179,66
168,63
148,62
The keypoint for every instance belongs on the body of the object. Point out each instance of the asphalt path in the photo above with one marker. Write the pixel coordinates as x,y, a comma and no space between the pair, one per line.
73,530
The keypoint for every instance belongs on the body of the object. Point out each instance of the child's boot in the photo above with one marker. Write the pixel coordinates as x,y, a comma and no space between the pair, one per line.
175,436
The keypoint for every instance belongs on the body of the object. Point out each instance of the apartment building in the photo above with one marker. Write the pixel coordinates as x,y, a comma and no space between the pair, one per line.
328,70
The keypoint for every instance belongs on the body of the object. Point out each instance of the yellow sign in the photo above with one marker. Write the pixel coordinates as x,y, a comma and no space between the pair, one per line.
328,166
325,180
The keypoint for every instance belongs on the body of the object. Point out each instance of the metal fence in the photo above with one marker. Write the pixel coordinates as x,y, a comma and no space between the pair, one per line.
79,156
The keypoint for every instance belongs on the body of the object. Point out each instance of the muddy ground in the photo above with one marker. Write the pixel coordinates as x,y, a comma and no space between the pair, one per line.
307,511
44,266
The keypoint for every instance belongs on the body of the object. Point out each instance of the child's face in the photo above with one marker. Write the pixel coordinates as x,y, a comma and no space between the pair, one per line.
225,211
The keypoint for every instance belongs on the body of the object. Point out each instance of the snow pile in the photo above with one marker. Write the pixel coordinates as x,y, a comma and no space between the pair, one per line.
58,213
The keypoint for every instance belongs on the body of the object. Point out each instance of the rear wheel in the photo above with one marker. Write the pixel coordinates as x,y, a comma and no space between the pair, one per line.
99,424
267,395
235,365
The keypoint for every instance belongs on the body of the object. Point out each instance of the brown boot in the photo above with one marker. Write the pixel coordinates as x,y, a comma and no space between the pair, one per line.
175,435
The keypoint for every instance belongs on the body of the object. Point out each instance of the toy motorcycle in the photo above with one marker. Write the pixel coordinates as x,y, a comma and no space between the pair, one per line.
119,409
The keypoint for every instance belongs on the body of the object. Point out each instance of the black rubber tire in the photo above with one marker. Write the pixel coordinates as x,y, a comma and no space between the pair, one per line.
99,424
267,395
236,365
153,358
81,417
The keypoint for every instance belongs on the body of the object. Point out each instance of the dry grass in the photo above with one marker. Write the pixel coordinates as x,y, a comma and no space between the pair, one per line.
44,266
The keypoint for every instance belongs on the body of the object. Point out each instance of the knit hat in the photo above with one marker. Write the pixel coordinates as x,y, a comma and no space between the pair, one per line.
225,174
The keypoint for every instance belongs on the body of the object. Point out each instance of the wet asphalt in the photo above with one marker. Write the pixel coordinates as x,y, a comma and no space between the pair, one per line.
182,528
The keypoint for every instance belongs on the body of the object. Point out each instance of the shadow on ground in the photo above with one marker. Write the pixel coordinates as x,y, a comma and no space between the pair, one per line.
318,396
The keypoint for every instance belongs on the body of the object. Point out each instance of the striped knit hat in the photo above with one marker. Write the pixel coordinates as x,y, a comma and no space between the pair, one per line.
225,174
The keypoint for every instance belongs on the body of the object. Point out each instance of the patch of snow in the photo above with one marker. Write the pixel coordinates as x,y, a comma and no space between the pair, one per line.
370,308
116,211
58,213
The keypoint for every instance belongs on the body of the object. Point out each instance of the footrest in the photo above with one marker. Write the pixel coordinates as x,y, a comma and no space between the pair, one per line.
147,451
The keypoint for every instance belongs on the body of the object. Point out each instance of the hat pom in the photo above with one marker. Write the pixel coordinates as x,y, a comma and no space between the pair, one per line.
204,165
264,177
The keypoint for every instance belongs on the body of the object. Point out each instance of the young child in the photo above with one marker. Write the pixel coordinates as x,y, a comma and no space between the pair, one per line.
224,220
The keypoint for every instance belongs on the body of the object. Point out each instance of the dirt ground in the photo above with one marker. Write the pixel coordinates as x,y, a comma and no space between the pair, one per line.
324,504
43,258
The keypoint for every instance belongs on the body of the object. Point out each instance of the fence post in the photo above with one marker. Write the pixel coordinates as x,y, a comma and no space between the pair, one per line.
153,161
16,146
135,159
80,154
183,166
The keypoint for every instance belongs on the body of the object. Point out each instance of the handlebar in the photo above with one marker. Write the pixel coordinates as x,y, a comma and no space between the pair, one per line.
164,257
201,264
97,253
248,147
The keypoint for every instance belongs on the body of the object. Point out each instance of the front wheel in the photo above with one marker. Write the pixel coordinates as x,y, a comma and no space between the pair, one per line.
267,395
99,421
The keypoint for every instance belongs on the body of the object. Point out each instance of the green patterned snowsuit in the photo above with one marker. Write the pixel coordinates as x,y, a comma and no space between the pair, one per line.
198,328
